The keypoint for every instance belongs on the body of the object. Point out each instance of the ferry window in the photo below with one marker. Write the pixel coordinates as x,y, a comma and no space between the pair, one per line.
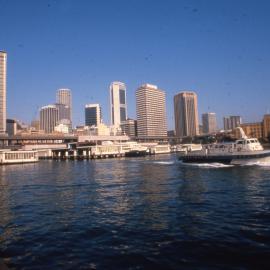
248,142
252,141
240,142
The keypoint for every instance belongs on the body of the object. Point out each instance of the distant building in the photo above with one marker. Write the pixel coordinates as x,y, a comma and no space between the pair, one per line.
35,124
118,103
186,114
63,96
3,90
92,114
266,126
49,117
231,122
151,111
209,122
11,127
129,127
62,128
252,130
171,133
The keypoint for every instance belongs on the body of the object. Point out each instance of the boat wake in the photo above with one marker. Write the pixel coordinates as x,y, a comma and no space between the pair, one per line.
165,162
257,163
215,165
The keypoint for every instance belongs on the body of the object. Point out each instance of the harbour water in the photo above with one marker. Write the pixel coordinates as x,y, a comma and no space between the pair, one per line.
134,213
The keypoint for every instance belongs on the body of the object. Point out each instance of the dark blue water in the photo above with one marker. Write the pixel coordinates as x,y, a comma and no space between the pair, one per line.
134,213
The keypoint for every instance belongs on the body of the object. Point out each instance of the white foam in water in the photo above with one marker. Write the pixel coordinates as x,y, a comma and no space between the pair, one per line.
258,163
165,162
207,165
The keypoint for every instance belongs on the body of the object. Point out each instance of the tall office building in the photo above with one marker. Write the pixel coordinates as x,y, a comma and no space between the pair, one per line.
92,114
226,123
49,118
118,103
231,122
3,90
151,111
63,96
209,121
186,114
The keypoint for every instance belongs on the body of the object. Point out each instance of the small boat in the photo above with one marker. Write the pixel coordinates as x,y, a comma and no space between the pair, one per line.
18,156
241,152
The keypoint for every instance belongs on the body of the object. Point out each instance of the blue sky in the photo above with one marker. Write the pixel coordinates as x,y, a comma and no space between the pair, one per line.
219,49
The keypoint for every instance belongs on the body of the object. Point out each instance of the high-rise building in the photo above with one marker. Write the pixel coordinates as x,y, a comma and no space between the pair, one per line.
209,122
186,114
92,114
231,122
226,123
63,96
151,111
118,103
3,90
49,118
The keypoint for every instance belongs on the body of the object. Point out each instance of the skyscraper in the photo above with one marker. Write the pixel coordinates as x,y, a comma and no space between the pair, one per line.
118,103
3,90
231,122
49,117
63,96
209,122
186,114
92,114
151,111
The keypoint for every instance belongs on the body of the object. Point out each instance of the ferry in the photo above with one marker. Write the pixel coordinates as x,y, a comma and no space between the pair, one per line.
20,156
241,152
160,149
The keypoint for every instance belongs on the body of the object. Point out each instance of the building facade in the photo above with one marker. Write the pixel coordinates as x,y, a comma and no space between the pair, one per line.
92,114
252,130
129,128
231,122
64,98
186,114
209,122
49,118
118,104
151,111
266,126
3,91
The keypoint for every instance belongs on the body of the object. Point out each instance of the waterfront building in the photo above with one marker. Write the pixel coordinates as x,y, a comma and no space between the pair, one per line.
231,122
49,118
11,127
209,122
118,104
64,97
186,114
151,111
252,130
3,90
129,127
92,114
266,126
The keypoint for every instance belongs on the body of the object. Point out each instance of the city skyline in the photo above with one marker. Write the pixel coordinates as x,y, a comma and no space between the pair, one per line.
219,50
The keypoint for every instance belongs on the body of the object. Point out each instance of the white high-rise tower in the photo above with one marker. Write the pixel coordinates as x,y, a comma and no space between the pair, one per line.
118,103
3,90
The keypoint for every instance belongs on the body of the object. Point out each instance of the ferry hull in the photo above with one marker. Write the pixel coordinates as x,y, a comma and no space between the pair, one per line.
243,159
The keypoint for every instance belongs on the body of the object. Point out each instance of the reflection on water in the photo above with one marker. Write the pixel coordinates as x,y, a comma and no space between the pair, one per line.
140,213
